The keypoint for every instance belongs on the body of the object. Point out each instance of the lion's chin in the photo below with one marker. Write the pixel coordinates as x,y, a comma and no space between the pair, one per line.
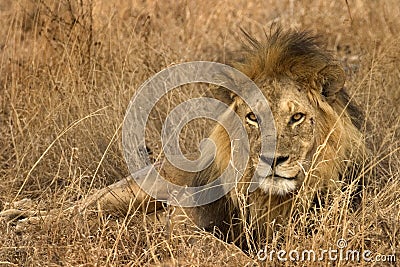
278,185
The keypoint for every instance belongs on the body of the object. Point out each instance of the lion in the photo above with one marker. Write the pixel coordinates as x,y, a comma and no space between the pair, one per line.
320,147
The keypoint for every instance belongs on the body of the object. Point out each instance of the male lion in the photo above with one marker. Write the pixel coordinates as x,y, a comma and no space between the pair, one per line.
320,147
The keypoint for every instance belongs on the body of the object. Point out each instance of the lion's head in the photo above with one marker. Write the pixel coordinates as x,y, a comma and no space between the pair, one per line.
317,126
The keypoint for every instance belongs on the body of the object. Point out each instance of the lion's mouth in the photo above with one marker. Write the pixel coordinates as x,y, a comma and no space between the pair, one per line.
278,181
279,185
275,176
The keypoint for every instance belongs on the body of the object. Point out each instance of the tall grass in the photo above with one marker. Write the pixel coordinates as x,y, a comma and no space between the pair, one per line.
68,70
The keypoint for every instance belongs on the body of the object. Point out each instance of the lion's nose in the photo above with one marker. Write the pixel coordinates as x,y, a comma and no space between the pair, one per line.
280,160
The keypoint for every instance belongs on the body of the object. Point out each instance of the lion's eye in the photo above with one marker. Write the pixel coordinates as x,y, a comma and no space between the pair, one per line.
251,118
296,118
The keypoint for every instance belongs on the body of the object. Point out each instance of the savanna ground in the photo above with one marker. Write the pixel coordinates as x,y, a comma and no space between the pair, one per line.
68,70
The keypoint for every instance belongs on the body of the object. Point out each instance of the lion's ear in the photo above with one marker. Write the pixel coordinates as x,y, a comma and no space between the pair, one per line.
222,94
331,79
229,78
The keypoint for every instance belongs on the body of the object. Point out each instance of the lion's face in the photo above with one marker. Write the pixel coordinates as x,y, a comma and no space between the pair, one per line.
295,120
319,146
314,118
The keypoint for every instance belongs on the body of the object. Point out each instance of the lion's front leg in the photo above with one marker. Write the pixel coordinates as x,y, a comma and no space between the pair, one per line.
18,210
121,197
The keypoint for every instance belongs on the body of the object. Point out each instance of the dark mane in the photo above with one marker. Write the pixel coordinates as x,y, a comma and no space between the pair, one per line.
290,53
299,56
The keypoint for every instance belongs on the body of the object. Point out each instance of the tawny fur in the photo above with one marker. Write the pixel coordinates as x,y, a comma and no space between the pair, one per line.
288,67
338,151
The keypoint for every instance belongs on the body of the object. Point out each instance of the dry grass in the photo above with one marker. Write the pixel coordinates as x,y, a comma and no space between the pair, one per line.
68,69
